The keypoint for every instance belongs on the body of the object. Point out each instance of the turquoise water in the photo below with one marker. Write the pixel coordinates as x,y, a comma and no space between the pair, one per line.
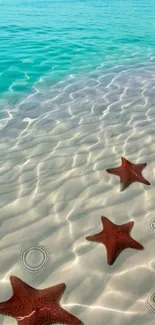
77,93
43,42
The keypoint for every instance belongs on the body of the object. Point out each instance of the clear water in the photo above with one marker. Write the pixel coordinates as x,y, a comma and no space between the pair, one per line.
77,92
46,42
42,42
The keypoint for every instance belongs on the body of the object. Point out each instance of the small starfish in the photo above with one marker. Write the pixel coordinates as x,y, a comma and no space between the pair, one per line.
129,173
116,238
30,306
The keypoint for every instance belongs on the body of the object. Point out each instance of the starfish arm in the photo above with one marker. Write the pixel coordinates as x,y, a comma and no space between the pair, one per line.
9,307
124,180
141,166
124,161
62,316
123,174
54,293
141,179
132,243
5,308
107,224
111,250
20,288
115,171
126,227
97,237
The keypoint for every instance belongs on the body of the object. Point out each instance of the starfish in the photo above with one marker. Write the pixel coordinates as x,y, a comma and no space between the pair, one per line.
116,238
129,173
30,306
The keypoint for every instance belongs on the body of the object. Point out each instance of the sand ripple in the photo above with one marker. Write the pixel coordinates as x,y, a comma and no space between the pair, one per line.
55,148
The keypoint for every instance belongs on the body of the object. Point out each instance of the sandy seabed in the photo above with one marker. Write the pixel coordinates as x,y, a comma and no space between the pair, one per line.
55,148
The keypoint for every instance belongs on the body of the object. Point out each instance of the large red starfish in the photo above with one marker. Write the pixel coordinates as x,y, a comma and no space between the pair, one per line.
116,238
129,173
36,307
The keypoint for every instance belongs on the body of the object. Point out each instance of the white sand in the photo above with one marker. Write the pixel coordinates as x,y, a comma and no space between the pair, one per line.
54,188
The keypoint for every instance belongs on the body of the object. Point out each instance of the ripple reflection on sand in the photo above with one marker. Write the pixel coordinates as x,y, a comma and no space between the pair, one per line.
55,148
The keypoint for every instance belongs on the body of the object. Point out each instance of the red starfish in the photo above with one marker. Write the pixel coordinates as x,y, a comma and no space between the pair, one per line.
116,238
36,307
129,173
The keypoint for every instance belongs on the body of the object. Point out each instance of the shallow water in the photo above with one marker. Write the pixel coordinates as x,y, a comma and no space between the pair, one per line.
77,92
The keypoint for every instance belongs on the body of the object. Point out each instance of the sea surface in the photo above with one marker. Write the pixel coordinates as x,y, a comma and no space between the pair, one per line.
48,42
77,92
